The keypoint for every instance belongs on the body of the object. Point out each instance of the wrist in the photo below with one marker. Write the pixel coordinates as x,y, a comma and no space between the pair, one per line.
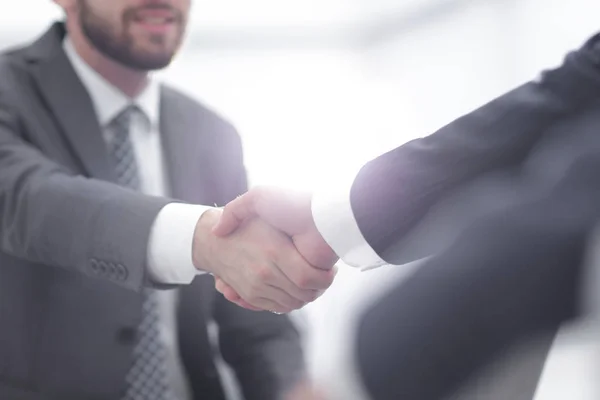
204,240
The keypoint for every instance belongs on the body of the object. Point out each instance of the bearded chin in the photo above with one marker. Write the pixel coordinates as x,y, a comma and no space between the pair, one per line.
121,47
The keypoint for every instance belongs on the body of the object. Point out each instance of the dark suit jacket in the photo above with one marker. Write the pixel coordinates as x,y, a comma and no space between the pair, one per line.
73,244
514,271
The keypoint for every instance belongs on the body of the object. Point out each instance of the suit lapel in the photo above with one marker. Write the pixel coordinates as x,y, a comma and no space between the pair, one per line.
70,103
189,163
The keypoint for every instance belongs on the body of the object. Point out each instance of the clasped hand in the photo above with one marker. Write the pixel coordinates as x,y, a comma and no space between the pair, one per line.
265,251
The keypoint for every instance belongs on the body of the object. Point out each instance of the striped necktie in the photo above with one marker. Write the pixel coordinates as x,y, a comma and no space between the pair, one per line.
147,378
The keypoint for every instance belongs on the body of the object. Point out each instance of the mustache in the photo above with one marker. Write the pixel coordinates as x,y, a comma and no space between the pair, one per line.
132,13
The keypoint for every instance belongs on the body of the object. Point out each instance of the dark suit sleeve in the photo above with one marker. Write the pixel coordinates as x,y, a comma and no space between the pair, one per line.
262,348
52,217
511,274
392,193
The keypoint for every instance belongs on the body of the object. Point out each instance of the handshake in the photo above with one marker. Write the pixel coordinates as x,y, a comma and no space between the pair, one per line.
265,251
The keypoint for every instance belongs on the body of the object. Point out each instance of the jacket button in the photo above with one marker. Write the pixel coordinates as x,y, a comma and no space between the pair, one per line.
127,335
122,272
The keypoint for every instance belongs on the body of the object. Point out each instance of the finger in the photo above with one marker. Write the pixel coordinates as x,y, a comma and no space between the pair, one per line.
219,285
226,290
242,303
314,278
282,282
286,300
293,273
262,296
266,304
265,292
282,256
234,298
235,213
300,273
231,295
299,295
267,297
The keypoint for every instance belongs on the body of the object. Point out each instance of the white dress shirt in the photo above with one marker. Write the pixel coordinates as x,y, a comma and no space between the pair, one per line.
171,237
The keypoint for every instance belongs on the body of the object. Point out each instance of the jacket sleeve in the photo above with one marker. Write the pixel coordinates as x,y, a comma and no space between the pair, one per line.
512,274
392,193
50,216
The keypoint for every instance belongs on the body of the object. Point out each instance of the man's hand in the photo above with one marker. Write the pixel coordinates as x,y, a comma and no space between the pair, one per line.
259,263
288,212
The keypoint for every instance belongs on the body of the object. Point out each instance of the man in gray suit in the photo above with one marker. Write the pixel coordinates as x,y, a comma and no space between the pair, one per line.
92,250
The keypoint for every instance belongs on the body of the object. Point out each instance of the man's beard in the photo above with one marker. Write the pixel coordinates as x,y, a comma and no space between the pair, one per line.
121,48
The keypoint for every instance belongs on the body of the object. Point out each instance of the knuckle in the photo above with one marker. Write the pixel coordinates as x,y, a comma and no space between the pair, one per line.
264,274
306,281
324,280
304,295
228,291
301,278
298,304
275,307
253,298
311,296
229,297
302,282
291,302
329,279
271,253
252,291
286,310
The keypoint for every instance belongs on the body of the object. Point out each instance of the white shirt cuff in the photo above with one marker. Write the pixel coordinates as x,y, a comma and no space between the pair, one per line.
170,244
333,216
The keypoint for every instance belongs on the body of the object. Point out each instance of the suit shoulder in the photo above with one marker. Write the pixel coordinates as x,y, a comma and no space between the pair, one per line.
13,56
9,60
14,70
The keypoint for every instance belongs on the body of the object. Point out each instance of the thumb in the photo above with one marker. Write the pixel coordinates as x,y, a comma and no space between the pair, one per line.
234,214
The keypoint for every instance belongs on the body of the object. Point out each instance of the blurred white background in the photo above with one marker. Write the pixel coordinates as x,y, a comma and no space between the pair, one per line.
317,87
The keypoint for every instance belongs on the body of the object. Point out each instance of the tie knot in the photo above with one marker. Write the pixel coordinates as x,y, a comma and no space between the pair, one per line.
122,121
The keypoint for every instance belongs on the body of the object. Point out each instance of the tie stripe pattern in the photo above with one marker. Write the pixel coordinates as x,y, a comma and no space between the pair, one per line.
147,378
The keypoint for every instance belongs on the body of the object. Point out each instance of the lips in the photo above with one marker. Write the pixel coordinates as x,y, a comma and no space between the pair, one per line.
155,16
155,20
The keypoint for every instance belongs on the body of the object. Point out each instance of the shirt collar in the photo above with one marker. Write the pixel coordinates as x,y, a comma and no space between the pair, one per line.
108,100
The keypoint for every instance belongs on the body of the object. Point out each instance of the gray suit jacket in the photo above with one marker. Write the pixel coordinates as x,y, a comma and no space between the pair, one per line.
73,244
